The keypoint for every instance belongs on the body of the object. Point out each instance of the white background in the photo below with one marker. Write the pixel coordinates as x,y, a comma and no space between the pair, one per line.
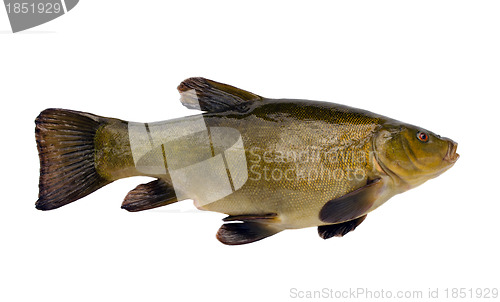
431,63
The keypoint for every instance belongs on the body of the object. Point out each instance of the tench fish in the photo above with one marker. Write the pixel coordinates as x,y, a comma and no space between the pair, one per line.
269,164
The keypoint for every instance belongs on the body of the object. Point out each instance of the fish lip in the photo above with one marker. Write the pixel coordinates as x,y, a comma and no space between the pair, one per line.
451,155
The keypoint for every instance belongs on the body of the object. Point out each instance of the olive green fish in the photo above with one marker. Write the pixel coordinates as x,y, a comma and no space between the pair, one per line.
269,164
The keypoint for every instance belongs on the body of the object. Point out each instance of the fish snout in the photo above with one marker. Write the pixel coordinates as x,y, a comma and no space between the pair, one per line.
452,155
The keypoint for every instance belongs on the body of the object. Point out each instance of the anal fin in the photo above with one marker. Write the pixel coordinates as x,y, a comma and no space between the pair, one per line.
148,196
340,229
245,232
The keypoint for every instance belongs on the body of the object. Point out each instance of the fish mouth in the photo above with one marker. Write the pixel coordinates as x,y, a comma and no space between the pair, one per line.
452,155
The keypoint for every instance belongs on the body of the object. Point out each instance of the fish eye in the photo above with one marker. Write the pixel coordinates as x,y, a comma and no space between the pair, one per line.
422,136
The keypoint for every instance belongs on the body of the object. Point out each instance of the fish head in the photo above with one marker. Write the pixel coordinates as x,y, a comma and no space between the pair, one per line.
412,155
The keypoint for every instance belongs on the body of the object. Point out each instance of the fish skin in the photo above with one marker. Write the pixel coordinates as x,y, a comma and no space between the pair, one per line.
308,128
300,155
267,128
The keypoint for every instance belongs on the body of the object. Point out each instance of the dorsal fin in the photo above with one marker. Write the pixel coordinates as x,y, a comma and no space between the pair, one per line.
211,96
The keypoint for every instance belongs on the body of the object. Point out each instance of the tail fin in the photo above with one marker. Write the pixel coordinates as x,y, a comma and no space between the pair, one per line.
65,141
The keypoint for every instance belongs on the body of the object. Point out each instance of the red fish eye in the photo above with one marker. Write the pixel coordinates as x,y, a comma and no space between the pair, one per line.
422,136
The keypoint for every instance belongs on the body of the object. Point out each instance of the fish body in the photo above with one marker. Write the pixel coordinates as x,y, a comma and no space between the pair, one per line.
270,164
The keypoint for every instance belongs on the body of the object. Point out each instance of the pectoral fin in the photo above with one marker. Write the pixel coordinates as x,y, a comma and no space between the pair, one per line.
151,195
206,95
352,205
245,232
340,229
